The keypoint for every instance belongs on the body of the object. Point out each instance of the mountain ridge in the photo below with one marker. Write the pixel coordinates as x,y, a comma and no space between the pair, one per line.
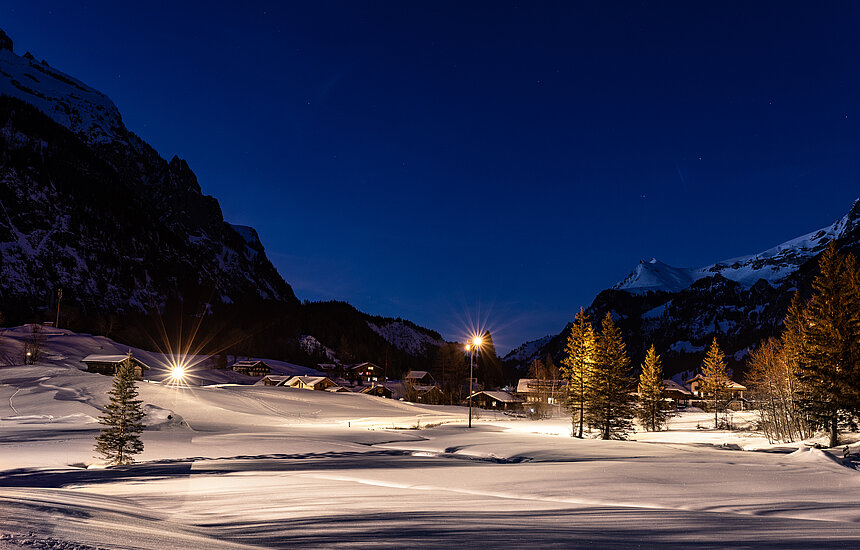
680,310
773,265
89,207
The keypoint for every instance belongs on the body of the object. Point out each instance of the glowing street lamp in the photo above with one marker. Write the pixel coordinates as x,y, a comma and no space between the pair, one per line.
472,348
178,373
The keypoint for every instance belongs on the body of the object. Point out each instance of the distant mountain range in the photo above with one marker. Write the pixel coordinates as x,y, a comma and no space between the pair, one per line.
88,207
740,301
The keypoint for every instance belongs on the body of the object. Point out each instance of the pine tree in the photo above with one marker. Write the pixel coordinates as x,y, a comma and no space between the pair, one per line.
120,440
716,380
652,409
827,358
576,367
609,405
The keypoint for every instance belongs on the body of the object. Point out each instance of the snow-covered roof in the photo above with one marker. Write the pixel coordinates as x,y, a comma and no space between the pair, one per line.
248,363
307,380
501,396
529,385
364,365
416,374
672,385
95,358
732,385
281,379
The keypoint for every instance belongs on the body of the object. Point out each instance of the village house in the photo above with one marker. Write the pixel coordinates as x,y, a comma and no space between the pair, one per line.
274,380
378,391
736,392
679,394
429,395
366,373
420,378
251,368
533,390
108,364
319,383
496,400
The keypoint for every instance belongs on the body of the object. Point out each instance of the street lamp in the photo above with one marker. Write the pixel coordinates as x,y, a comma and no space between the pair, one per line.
472,348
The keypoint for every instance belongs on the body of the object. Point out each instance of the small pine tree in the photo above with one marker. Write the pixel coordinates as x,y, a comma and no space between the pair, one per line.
120,440
652,410
716,380
576,367
609,405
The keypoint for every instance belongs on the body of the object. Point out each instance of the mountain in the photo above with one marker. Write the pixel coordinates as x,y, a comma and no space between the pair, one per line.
88,207
773,265
739,301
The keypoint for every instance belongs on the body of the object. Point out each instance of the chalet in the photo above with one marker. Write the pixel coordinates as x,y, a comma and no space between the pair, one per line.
319,383
378,391
251,368
430,395
735,390
677,393
274,380
366,373
108,364
420,378
534,390
498,400
337,389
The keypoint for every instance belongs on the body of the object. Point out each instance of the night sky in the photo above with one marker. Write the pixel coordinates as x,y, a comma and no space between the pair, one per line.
496,162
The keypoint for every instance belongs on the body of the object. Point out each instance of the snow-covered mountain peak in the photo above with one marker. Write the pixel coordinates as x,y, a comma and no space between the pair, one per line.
68,101
772,265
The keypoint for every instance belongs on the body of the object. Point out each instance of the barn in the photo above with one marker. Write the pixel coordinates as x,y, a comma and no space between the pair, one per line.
108,364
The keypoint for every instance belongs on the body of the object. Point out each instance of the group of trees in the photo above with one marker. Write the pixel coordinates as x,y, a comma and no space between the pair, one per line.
809,378
599,378
602,392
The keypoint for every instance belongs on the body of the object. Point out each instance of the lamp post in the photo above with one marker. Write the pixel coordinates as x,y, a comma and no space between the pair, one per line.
475,345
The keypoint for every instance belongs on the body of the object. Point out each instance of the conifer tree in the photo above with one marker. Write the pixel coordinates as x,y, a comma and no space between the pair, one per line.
578,360
120,440
652,409
609,405
716,380
827,358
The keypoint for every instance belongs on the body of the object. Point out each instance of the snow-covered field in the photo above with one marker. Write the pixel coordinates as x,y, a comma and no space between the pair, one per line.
238,466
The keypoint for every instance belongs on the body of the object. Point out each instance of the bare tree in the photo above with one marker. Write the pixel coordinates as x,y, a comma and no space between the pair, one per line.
34,345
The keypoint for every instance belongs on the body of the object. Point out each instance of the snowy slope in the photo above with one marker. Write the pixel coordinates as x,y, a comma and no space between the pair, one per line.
527,352
406,338
772,265
68,101
266,467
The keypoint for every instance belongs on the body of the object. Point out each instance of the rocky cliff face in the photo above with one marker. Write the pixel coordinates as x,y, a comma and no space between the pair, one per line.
89,207
740,301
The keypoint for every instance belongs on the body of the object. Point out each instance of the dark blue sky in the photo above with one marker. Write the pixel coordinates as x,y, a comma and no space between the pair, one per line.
495,161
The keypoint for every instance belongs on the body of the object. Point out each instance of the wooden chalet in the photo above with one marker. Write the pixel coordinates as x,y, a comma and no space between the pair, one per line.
378,391
274,380
420,378
366,373
430,395
251,368
735,390
497,400
319,383
679,394
109,364
534,390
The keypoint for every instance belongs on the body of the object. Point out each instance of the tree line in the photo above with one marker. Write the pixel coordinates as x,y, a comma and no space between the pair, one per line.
807,379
